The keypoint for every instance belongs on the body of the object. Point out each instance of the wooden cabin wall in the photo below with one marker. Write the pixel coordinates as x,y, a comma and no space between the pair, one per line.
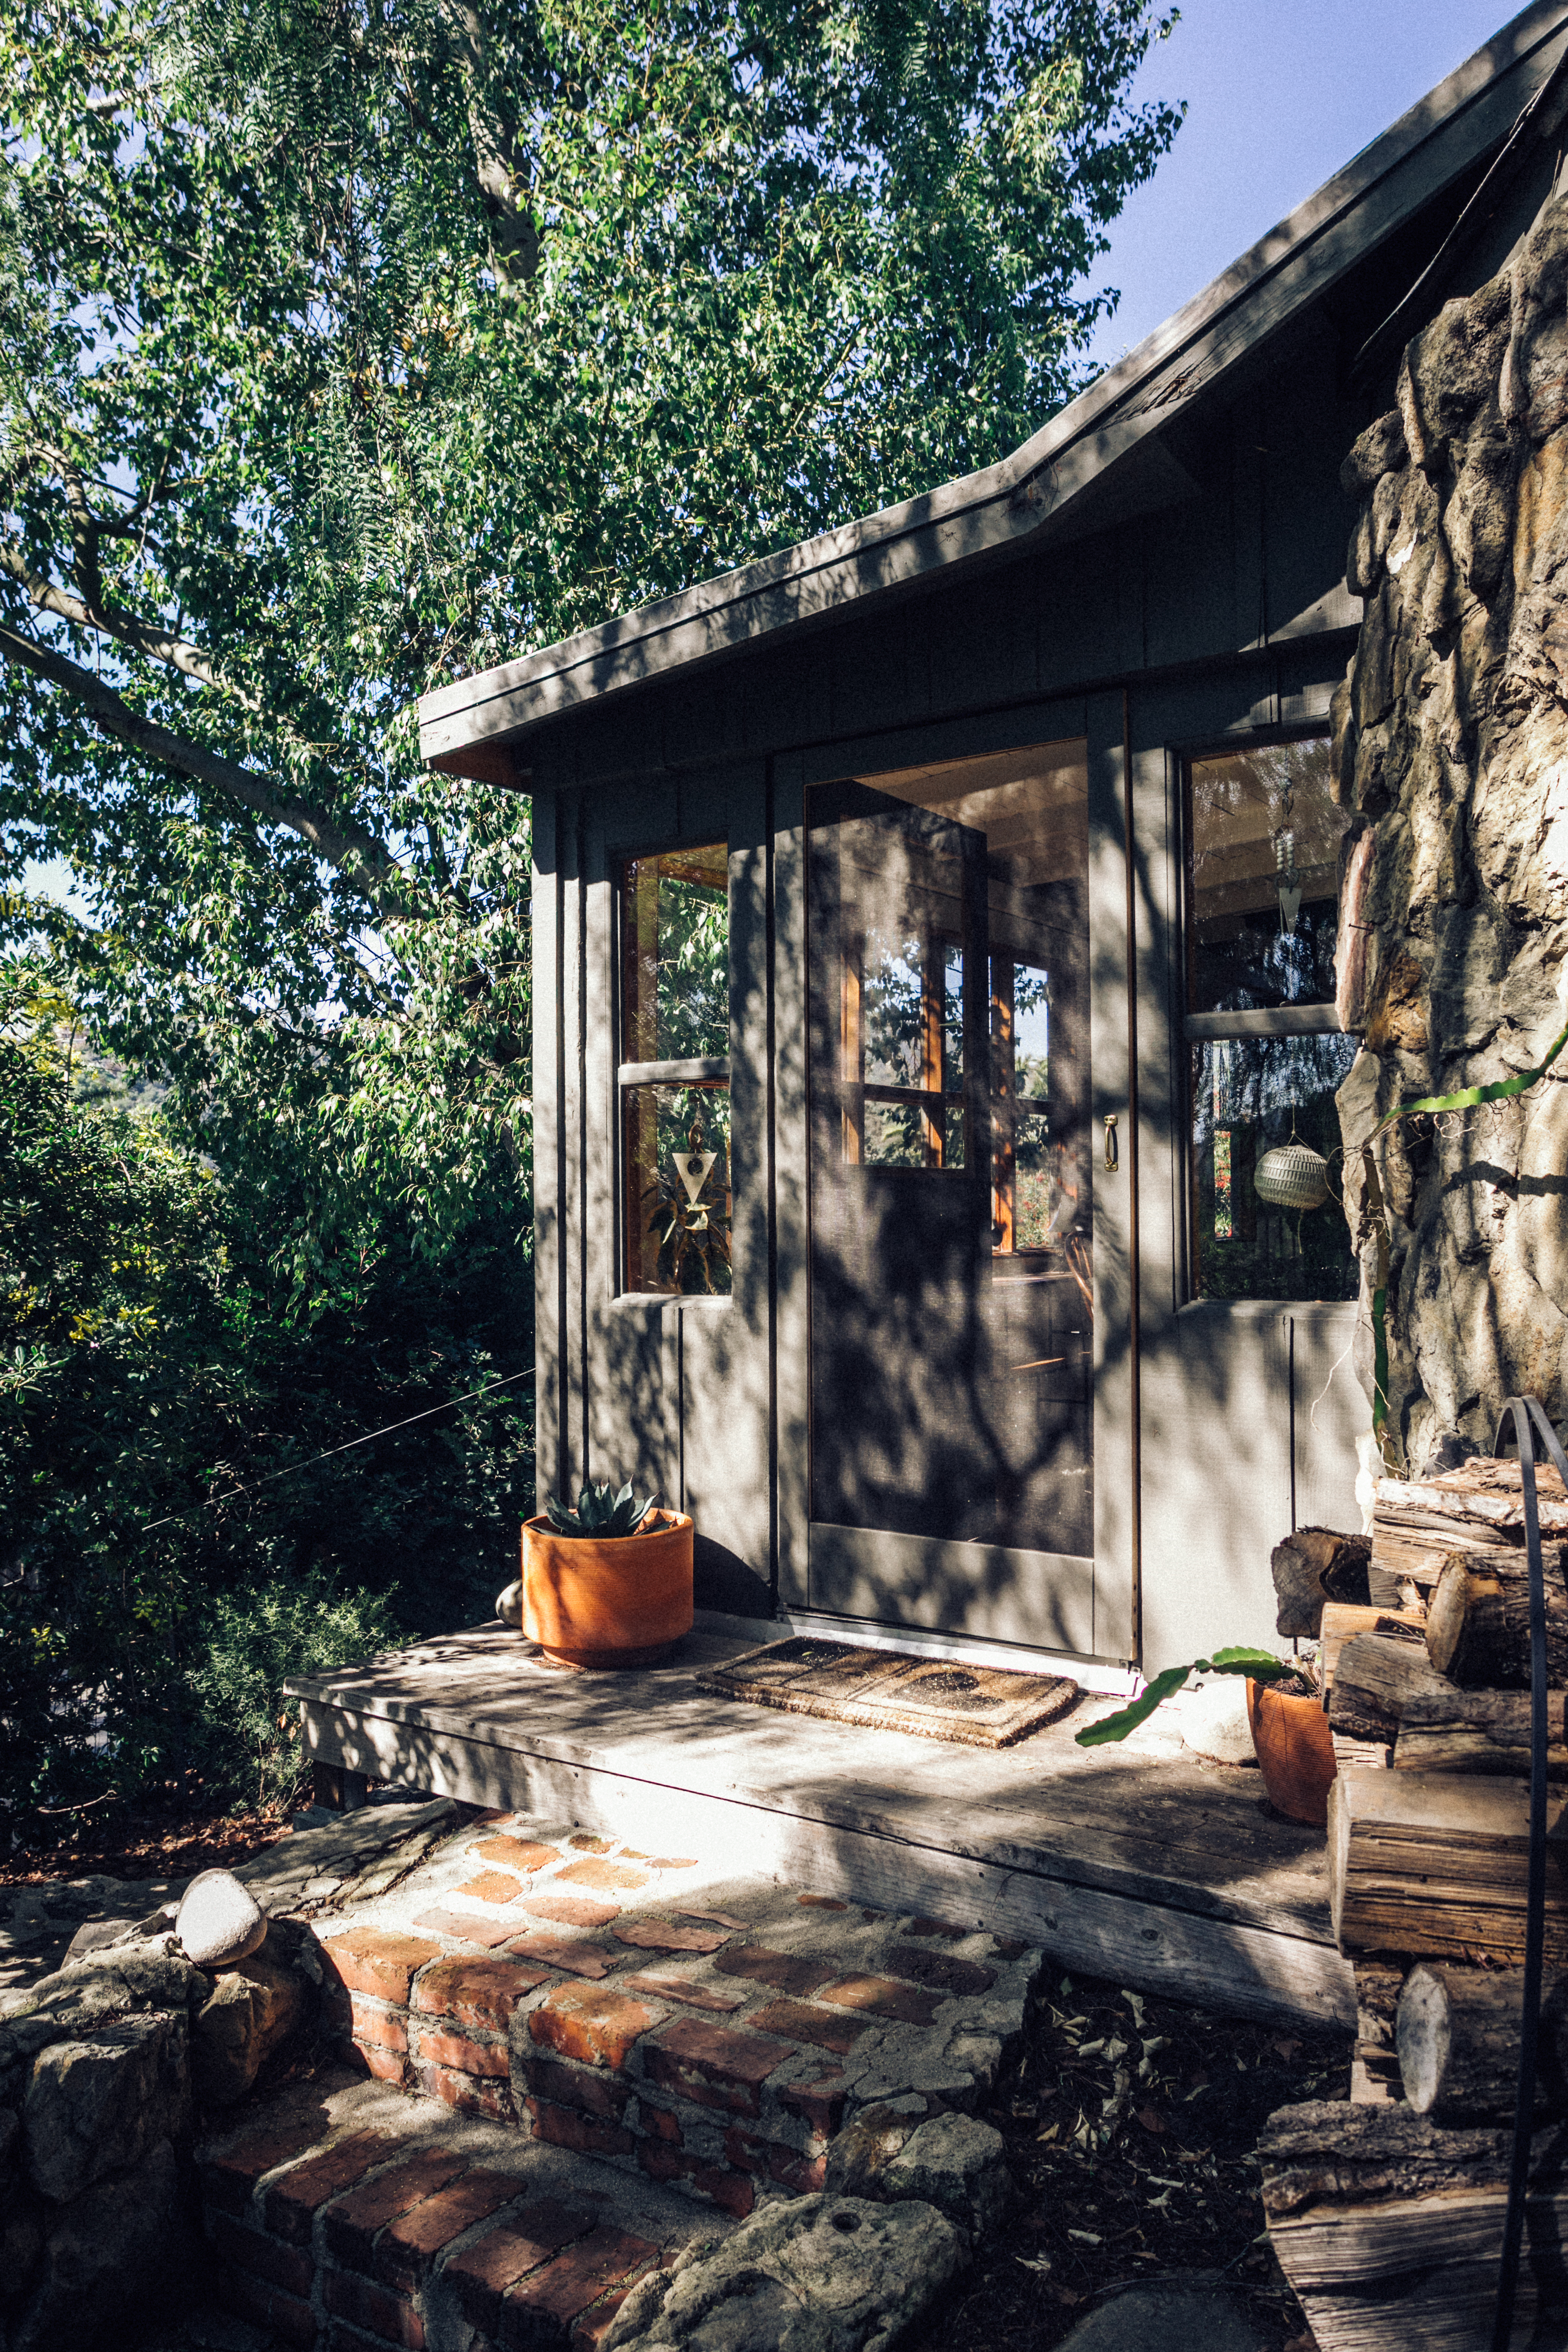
1223,614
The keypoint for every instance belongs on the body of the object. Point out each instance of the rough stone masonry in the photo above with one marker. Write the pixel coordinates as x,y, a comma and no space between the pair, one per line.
1451,748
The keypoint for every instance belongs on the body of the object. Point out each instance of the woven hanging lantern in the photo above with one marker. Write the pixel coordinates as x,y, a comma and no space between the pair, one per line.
1292,1176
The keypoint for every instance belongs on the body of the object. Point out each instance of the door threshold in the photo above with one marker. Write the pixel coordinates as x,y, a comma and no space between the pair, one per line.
1105,1676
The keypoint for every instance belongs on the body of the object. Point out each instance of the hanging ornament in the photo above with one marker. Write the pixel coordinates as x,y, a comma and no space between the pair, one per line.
692,1166
1288,881
1292,1176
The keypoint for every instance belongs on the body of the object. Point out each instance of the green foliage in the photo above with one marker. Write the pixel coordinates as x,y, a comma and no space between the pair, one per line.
250,1642
1261,1665
600,1512
160,1375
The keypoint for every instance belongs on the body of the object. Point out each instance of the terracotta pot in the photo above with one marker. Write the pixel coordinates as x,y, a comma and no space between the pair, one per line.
595,1603
1295,1750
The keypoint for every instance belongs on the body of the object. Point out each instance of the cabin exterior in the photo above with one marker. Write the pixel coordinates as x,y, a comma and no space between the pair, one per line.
934,929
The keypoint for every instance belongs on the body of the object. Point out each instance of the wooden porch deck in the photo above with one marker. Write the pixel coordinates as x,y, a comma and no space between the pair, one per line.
1140,1863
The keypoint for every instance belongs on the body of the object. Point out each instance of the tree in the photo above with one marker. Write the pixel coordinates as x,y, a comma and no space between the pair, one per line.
344,349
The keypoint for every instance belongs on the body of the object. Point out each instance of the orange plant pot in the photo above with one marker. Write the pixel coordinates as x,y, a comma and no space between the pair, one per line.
596,1603
1295,1750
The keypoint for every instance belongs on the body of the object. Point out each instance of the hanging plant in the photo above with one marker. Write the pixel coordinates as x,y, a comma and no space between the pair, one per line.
688,1212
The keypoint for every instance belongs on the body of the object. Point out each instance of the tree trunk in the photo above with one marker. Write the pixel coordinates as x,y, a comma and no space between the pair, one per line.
1457,2032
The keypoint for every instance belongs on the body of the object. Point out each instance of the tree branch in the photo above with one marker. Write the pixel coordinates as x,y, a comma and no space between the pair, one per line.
355,852
502,161
107,620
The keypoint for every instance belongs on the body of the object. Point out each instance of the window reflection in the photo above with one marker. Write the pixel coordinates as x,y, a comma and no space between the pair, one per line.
675,957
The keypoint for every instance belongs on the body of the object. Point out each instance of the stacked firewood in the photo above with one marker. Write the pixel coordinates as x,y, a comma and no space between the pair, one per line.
1387,2215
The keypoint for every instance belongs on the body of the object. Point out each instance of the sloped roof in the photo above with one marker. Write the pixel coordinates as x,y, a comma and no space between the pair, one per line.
1068,477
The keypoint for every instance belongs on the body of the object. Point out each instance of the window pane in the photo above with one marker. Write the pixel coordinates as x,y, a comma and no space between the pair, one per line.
677,1187
675,944
1265,865
1250,1094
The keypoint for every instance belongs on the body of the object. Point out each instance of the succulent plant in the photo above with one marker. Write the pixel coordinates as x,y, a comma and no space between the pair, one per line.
601,1513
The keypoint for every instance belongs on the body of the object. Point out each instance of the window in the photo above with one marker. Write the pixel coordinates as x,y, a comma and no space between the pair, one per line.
1266,1053
674,1081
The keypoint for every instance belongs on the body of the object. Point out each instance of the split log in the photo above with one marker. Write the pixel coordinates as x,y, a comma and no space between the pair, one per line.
1374,2061
1479,1731
1434,1862
1389,2228
1477,1628
1377,1675
1342,1622
1457,2034
1387,1591
1313,1565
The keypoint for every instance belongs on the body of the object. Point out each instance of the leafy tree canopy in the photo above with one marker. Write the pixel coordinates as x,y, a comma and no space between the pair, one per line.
350,345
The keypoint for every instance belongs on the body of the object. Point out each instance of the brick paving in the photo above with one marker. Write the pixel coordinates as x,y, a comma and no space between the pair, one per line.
564,2054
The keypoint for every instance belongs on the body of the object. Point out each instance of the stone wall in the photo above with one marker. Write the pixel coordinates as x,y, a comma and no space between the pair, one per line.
1451,748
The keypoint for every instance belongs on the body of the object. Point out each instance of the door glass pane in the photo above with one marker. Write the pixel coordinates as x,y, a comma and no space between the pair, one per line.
675,961
952,1252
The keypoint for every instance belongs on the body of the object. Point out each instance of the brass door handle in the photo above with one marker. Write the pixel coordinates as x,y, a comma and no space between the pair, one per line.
1112,1160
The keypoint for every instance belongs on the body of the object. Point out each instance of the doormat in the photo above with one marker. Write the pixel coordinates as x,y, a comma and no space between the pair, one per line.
887,1690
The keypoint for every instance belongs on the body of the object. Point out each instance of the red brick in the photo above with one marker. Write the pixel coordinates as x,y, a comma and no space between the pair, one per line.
599,2028
713,2066
567,2127
940,1970
480,1993
579,1958
596,2092
603,1877
591,2328
371,1960
584,1841
228,2181
673,1988
439,2049
821,1903
883,1997
804,2175
292,2202
735,2191
820,2027
821,2104
387,2316
518,1854
933,1927
354,2221
264,2258
386,2065
786,1972
719,1919
379,2028
474,2095
668,1935
565,2287
660,1860
482,2273
1007,1949
659,2123
407,2249
283,2315
572,1910
490,1886
469,1927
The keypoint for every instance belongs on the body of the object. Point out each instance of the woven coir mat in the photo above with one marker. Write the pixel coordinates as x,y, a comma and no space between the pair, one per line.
887,1690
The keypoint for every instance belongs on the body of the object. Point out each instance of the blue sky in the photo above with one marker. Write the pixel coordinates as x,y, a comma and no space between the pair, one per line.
1281,94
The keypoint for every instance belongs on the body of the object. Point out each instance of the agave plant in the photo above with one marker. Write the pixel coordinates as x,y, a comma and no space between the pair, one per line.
601,1513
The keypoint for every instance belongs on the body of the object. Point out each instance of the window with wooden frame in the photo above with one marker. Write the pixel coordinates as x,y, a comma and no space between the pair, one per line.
1266,1053
673,1082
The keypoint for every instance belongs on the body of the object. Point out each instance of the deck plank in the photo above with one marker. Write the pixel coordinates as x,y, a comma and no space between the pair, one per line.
1156,1865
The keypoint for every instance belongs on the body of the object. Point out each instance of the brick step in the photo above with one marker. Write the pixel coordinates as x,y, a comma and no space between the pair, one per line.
349,2216
711,2035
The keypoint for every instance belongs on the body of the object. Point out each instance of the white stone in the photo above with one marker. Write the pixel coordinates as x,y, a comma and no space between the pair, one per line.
509,1602
219,1921
1215,1724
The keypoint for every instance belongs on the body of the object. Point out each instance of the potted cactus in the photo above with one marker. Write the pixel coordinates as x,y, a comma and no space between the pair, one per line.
606,1584
1290,1732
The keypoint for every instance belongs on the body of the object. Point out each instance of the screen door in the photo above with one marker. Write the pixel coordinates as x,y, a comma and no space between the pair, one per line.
952,1292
